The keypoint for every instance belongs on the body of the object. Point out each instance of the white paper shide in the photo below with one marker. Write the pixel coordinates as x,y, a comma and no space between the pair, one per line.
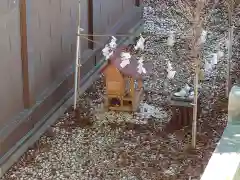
125,57
140,43
109,48
140,68
170,71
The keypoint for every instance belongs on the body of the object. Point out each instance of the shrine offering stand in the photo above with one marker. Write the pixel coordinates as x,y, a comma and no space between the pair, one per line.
182,112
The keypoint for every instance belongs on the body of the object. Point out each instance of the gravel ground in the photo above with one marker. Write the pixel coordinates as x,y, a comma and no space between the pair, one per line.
94,144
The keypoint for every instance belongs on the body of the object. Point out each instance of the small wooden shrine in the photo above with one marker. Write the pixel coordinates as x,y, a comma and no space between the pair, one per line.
124,86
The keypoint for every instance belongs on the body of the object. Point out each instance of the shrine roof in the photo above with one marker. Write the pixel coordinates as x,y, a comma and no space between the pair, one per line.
130,69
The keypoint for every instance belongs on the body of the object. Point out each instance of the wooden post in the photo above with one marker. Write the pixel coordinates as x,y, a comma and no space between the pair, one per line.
137,3
90,24
132,89
140,84
27,100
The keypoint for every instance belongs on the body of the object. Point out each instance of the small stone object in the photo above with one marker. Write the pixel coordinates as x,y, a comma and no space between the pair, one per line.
171,39
220,54
203,37
191,94
171,74
183,92
214,59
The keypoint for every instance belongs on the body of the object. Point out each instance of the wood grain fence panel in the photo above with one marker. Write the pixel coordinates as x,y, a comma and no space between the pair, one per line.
84,23
43,46
66,33
54,49
107,13
100,19
33,24
35,29
55,59
117,11
97,19
4,8
128,4
11,90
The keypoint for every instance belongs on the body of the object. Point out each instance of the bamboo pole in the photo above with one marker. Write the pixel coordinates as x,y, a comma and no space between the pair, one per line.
228,78
230,5
195,108
77,60
195,53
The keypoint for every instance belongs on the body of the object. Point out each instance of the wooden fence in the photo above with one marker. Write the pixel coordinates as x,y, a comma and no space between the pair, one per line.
37,48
